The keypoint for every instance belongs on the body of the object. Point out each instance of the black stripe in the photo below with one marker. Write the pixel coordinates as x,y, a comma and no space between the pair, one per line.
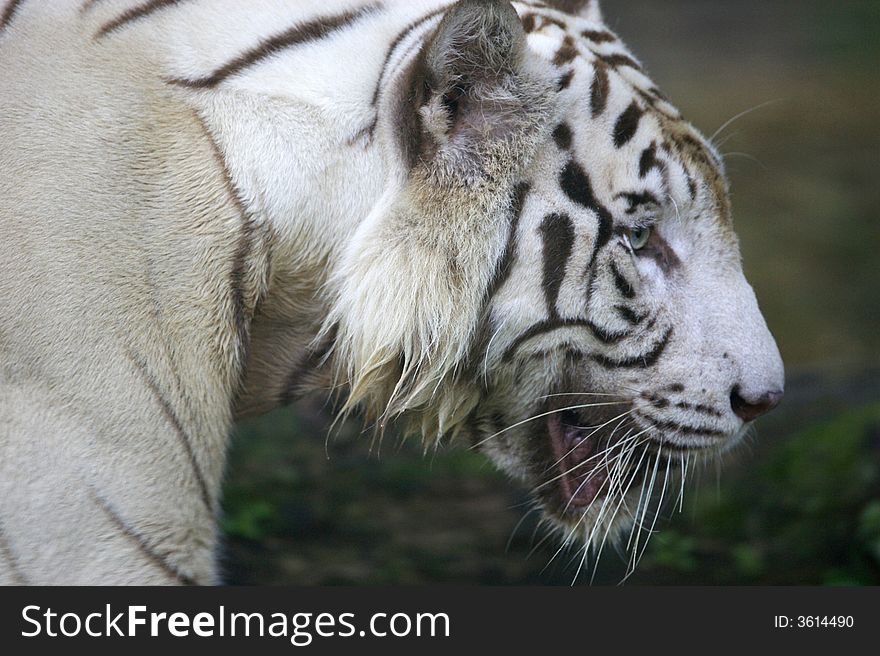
557,231
562,136
567,51
576,185
133,14
241,314
8,555
8,13
629,316
699,407
139,541
565,81
573,356
484,330
659,95
294,385
639,361
165,337
661,403
636,199
598,36
396,42
544,327
599,89
692,185
172,418
671,426
530,23
505,263
312,359
662,253
620,60
623,285
370,129
693,144
648,160
627,124
657,401
572,7
653,100
313,30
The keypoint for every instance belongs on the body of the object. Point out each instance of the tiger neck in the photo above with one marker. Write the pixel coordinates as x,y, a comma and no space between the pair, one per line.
302,151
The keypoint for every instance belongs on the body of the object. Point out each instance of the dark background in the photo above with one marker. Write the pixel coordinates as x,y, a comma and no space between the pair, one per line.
801,503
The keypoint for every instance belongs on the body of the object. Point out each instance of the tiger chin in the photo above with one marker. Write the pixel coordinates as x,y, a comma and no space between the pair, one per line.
480,220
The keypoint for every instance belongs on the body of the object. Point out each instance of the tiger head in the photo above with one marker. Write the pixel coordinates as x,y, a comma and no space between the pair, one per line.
553,272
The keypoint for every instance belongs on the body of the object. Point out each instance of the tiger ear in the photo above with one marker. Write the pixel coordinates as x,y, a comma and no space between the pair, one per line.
588,9
472,89
410,288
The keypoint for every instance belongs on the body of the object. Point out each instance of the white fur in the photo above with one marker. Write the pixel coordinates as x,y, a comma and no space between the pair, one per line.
127,202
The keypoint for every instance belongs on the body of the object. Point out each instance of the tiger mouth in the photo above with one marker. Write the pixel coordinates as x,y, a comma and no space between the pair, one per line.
579,472
588,458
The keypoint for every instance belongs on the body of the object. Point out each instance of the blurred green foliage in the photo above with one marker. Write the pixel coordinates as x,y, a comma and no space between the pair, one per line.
803,510
808,513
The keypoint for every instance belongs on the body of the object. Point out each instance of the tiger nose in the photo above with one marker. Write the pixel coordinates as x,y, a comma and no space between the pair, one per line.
748,408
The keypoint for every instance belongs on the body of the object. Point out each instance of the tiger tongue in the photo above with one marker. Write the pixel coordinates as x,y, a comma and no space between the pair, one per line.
574,447
578,445
570,443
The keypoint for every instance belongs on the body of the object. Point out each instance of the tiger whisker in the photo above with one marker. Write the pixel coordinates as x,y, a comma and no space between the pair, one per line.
546,537
589,541
516,527
620,503
656,515
683,460
637,554
489,346
539,416
613,462
619,444
638,467
635,516
646,500
746,156
617,475
677,211
550,396
567,540
647,441
573,530
725,139
746,112
572,450
631,450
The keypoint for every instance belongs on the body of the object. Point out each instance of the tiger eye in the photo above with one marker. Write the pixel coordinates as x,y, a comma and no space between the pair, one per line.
638,237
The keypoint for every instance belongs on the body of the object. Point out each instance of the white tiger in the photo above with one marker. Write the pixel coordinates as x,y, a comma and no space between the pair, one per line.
481,218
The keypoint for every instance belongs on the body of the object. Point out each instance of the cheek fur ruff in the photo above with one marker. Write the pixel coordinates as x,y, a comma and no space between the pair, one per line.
411,285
